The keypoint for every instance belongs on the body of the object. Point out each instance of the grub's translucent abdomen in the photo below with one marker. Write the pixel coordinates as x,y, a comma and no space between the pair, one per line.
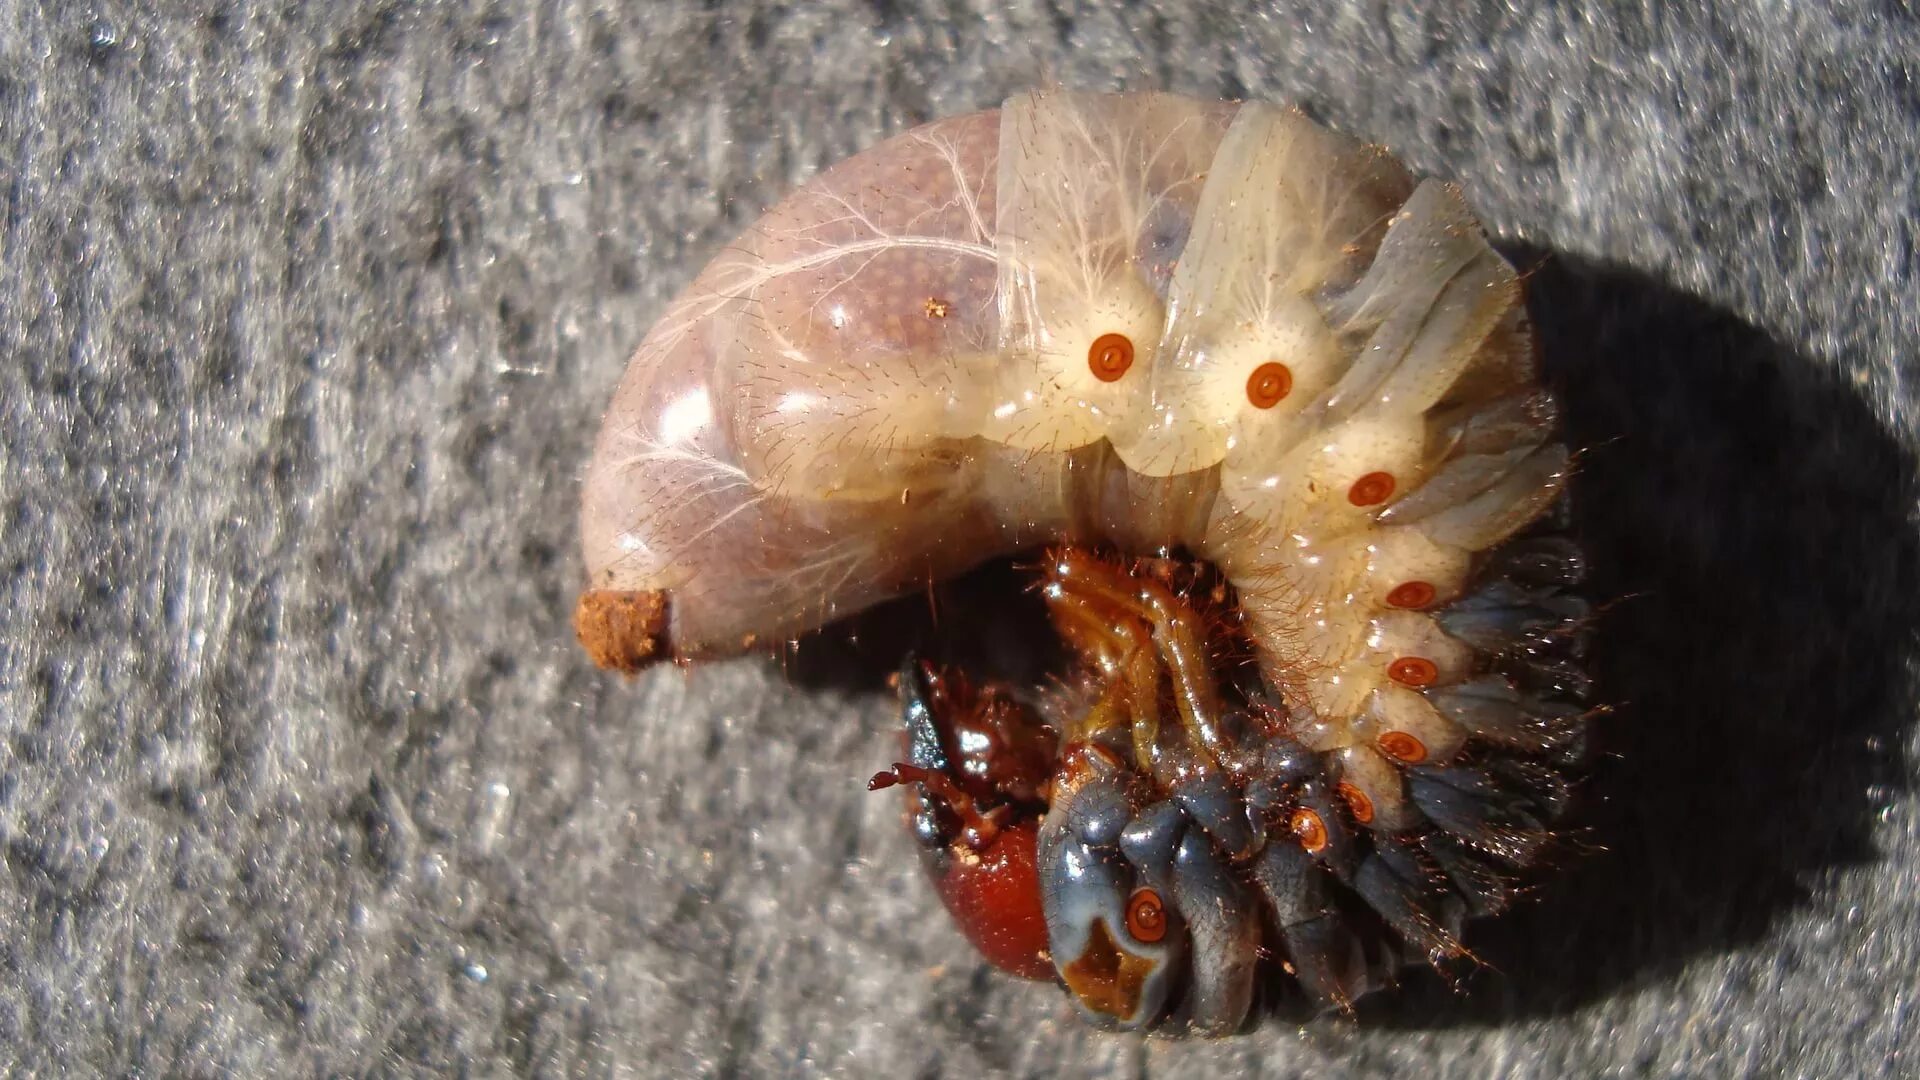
1141,320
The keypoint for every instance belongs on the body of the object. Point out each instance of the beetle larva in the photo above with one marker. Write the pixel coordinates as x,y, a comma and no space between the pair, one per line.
1258,393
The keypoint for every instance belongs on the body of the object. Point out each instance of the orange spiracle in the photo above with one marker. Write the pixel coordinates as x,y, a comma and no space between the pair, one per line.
1146,916
1414,671
1269,384
1307,827
1357,802
1412,595
1110,356
1371,489
1402,747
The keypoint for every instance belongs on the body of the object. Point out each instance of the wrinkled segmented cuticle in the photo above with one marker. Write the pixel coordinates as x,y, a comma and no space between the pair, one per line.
895,374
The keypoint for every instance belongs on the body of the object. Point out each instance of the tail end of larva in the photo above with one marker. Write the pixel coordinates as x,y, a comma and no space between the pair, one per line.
623,630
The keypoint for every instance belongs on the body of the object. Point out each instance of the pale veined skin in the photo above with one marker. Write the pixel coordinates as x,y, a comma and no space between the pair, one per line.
1145,325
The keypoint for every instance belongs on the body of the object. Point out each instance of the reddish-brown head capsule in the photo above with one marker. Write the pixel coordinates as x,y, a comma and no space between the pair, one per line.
994,897
975,813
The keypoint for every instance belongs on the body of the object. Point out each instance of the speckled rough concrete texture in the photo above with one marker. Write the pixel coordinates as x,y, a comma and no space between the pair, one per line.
309,313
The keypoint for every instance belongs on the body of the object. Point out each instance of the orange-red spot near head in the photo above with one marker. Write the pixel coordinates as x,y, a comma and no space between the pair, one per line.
1146,916
1110,356
1414,671
1412,595
1371,489
1357,802
1402,747
1269,385
1307,828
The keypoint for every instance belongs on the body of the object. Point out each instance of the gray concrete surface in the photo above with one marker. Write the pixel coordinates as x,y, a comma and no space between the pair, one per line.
308,313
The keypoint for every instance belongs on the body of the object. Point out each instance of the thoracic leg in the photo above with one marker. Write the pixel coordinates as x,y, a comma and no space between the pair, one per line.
1121,649
1084,588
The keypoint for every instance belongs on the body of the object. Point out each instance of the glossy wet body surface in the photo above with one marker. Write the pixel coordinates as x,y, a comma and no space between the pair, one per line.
1187,841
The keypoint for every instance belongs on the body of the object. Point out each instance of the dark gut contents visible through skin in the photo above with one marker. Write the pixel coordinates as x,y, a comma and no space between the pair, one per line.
1158,752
